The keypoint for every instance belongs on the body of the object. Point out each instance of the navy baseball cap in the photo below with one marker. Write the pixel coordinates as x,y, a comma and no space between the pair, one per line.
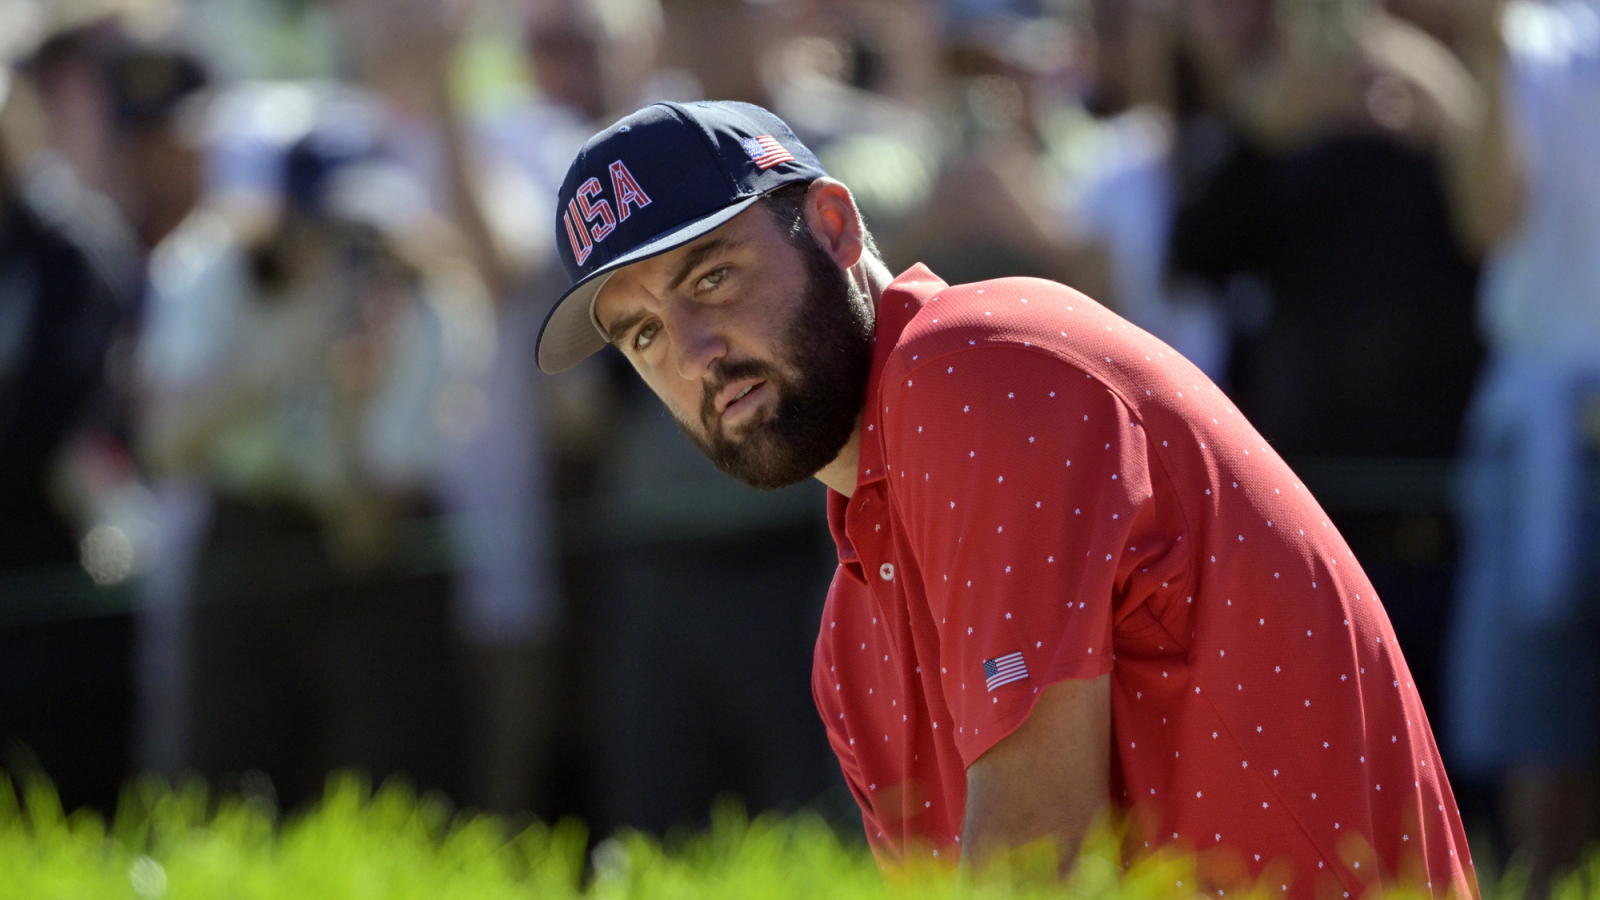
651,183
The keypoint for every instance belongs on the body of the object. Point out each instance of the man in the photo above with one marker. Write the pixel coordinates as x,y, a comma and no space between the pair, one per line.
1071,575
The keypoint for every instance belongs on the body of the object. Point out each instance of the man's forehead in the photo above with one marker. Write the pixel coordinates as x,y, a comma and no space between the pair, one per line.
662,268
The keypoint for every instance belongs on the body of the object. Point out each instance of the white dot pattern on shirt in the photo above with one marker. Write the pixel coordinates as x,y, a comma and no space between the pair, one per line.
1239,538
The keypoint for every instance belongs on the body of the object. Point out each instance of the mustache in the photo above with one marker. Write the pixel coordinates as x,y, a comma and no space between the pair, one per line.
724,372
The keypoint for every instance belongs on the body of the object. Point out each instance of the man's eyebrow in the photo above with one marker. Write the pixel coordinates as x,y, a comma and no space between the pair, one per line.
691,260
622,326
695,257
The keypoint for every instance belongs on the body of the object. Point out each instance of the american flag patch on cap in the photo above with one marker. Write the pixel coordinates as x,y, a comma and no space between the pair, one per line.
766,151
1004,670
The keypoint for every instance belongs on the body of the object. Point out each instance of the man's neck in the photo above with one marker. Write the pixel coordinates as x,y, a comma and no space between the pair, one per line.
872,277
841,473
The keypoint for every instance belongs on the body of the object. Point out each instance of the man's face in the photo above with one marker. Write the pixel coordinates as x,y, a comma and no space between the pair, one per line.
760,348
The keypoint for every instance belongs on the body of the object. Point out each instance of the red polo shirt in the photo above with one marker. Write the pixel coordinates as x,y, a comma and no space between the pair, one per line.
1046,492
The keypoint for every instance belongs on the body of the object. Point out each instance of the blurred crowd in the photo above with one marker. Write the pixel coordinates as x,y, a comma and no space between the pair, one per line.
282,490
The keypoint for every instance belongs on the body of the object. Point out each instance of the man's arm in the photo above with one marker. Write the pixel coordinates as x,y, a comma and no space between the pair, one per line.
1484,172
1049,778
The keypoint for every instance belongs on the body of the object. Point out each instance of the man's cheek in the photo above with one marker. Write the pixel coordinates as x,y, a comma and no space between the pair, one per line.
669,393
693,421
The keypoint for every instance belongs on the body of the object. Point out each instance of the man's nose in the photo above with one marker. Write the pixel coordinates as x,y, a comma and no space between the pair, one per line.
699,343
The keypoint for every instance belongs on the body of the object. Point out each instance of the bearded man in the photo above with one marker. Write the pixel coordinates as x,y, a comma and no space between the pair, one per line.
1071,577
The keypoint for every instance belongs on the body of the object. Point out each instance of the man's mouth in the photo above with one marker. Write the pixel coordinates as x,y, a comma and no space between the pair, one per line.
734,399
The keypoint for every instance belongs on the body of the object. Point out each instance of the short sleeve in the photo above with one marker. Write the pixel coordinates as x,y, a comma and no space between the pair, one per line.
1019,478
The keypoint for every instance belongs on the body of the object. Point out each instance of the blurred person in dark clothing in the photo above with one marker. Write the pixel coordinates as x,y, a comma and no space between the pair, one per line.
113,164
70,267
1338,187
58,315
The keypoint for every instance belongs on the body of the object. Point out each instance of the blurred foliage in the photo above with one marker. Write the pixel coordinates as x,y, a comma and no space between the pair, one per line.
182,843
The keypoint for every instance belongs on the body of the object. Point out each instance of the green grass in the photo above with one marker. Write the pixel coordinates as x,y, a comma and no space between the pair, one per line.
182,843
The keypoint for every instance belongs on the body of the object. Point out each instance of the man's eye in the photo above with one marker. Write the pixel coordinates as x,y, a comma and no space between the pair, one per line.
646,334
711,279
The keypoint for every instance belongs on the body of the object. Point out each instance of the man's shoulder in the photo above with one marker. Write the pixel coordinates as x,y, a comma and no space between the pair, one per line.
1005,314
1018,334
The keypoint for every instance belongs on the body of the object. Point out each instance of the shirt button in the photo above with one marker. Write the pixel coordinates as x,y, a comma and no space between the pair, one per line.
886,571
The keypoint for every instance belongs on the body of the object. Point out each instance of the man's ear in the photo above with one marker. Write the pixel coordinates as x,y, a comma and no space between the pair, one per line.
834,221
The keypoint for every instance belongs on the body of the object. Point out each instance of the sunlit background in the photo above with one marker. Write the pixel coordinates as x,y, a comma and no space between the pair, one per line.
282,491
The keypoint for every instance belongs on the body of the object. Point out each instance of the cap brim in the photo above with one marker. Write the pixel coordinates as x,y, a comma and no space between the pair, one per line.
569,334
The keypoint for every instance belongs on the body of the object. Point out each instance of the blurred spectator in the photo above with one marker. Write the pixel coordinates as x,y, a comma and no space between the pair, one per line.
1337,192
1525,649
297,371
495,179
522,152
157,102
66,242
157,128
70,266
1125,207
991,210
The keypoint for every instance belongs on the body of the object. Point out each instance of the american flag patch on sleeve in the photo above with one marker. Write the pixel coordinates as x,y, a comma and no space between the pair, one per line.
766,151
1004,670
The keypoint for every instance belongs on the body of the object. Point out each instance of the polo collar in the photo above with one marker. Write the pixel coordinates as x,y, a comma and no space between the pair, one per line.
897,306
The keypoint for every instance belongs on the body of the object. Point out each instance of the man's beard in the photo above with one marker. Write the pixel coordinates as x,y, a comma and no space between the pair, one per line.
820,381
